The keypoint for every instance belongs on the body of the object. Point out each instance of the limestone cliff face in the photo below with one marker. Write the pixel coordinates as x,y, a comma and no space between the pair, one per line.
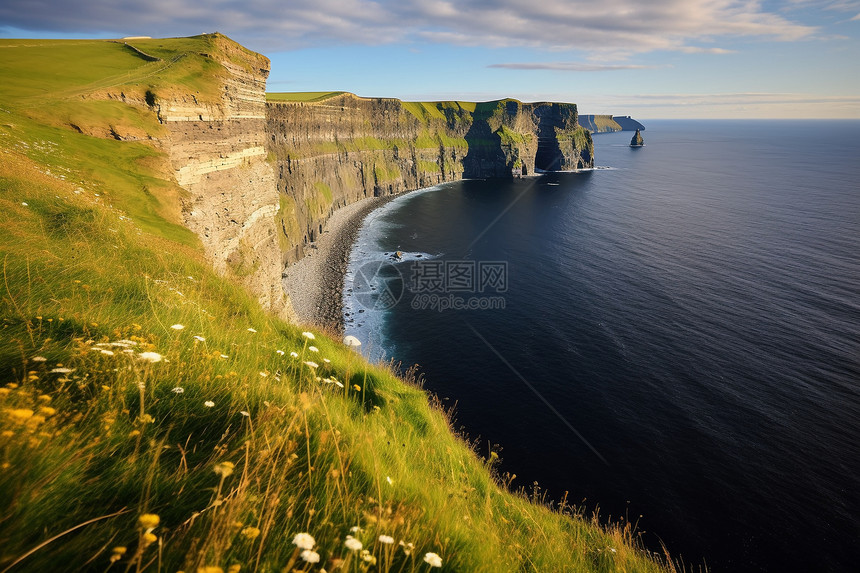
218,152
345,148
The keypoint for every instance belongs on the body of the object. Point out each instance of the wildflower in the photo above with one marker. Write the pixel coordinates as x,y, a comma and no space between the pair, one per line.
150,357
432,559
304,541
234,568
313,349
62,370
389,480
20,414
134,433
224,469
311,364
310,556
264,374
199,338
208,403
250,533
352,543
366,556
281,352
294,354
178,390
357,387
146,419
251,330
24,204
309,335
326,360
118,552
355,529
148,521
47,411
224,356
245,413
149,539
177,327
337,383
407,547
106,352
38,359
210,569
351,341
387,539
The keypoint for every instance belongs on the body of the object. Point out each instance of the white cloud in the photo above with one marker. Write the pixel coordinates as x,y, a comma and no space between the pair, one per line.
604,27
570,66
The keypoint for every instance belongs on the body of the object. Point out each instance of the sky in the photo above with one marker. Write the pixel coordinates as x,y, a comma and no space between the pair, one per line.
655,59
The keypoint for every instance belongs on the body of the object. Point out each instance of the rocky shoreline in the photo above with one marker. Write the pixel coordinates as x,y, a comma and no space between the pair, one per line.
314,284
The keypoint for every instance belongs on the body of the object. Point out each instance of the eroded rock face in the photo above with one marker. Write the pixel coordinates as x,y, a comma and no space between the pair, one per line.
345,148
218,152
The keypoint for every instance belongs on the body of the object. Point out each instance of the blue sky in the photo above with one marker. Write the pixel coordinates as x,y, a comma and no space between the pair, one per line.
660,59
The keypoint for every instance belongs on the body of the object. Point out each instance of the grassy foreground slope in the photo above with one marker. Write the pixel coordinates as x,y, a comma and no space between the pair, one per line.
153,417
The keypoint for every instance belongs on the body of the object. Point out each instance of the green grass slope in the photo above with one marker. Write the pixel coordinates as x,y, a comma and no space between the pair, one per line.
154,418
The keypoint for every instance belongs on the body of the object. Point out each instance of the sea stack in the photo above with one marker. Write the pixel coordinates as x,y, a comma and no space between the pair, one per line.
637,140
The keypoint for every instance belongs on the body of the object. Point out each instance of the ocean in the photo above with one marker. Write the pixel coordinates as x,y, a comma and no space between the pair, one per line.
672,338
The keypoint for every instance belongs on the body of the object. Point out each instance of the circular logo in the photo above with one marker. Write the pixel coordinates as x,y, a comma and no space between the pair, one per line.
377,285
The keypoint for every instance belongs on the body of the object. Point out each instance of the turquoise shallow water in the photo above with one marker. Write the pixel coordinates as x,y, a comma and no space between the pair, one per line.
680,337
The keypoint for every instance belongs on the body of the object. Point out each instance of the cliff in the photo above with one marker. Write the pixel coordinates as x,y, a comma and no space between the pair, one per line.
609,123
339,149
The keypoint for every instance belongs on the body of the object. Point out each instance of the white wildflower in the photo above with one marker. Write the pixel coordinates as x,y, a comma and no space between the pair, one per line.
251,330
352,543
304,541
264,374
177,327
245,413
387,539
281,352
224,356
178,390
209,403
106,352
407,547
311,364
351,341
366,556
294,354
62,370
310,556
389,480
199,338
309,335
433,560
38,359
313,349
355,529
151,357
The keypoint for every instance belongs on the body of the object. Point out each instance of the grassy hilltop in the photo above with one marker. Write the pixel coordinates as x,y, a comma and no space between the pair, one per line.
153,417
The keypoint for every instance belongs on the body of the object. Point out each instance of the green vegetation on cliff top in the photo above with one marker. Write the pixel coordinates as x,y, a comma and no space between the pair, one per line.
154,418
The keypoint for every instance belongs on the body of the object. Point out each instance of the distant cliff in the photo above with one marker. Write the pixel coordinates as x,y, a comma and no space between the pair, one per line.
343,148
608,123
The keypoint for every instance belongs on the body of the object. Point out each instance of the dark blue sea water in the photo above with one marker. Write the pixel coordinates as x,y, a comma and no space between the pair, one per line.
680,338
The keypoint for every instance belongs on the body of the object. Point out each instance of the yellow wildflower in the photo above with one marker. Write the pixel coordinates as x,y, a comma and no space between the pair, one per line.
235,568
250,533
19,414
224,469
148,520
149,539
44,398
